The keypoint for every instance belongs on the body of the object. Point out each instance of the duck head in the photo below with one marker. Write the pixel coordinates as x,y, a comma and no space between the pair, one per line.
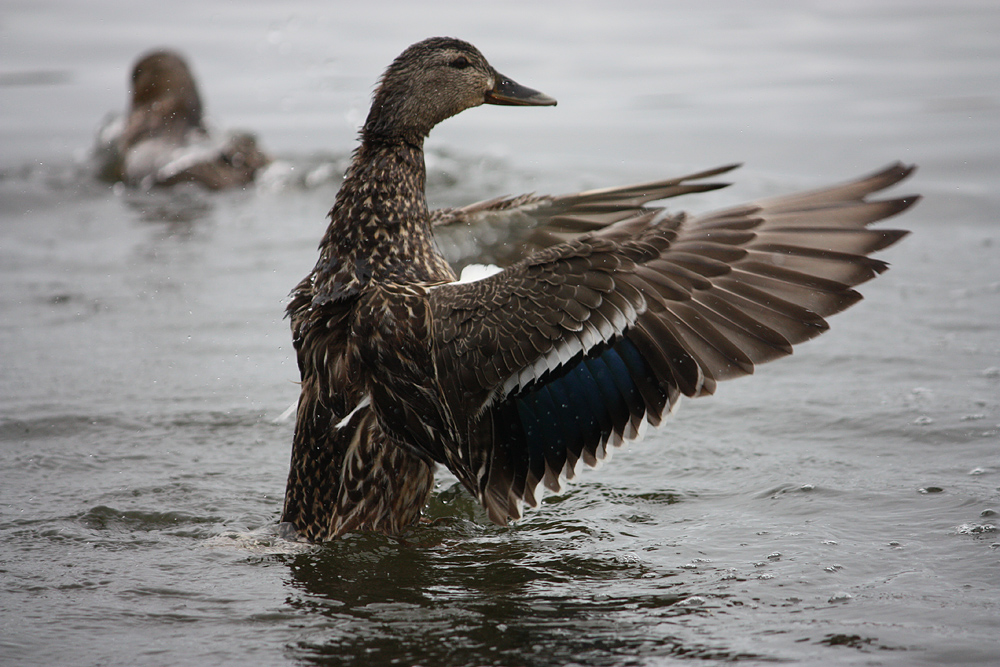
433,80
165,100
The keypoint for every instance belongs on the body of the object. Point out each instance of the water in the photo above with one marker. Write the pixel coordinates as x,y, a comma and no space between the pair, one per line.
838,508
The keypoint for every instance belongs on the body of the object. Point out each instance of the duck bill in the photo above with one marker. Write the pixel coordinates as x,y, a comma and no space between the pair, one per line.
507,92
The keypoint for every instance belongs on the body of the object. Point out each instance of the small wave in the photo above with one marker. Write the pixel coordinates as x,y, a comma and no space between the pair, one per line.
103,517
264,541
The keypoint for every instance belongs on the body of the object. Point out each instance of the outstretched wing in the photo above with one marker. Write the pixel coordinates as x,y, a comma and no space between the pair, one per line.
573,349
508,229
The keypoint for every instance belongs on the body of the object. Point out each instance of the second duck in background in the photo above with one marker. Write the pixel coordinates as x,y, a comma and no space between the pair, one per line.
164,140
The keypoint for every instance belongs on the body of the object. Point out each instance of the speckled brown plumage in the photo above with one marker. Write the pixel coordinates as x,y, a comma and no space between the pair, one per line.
379,235
615,311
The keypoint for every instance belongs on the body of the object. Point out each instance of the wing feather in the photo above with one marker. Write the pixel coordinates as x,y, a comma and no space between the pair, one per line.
508,229
571,351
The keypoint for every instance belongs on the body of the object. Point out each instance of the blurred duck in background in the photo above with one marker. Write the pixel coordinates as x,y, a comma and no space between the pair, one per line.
163,139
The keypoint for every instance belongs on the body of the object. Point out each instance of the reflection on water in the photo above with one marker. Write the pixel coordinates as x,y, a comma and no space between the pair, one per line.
544,600
838,508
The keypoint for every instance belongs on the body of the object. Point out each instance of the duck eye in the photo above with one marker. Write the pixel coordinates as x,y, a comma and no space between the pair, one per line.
461,62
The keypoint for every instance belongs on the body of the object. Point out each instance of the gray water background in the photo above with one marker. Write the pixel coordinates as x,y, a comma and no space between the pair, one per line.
839,507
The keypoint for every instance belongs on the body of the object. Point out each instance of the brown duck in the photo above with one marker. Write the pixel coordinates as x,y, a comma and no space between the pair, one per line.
163,140
513,380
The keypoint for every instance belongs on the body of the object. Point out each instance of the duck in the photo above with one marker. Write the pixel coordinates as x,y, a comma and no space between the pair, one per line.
163,139
513,380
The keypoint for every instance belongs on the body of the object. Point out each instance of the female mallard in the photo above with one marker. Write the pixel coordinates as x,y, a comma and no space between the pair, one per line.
512,380
163,139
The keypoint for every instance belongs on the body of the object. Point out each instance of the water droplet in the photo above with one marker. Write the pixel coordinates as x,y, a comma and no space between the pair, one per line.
830,543
774,556
988,512
839,597
931,489
923,421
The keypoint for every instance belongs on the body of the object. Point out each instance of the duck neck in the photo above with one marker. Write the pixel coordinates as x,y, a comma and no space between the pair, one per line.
379,226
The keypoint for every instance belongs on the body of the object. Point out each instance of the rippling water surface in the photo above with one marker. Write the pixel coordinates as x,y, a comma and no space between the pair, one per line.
837,508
